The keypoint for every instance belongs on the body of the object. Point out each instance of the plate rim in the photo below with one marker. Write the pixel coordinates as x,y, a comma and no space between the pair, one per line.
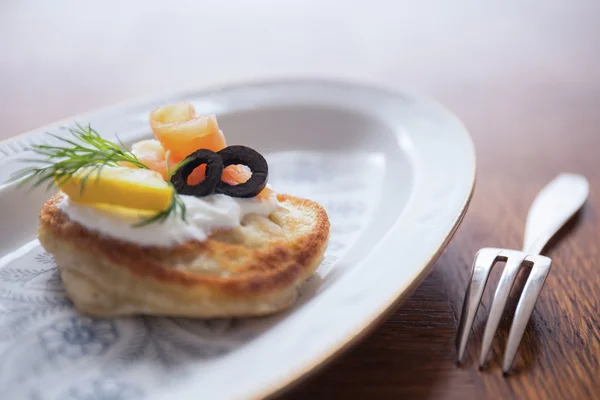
379,319
371,322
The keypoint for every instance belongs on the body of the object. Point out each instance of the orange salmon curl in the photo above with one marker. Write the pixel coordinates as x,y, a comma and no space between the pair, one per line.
179,130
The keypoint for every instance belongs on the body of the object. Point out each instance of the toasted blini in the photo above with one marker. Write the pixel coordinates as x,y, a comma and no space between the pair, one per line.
255,269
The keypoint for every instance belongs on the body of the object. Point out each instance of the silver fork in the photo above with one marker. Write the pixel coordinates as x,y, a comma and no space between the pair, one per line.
551,209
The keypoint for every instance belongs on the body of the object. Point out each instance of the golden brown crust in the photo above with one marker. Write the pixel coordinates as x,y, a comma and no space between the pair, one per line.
260,261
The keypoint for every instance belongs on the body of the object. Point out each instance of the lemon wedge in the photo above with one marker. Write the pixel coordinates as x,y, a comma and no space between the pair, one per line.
134,188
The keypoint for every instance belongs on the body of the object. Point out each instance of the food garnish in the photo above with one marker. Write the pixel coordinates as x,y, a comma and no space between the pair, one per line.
178,128
256,163
150,153
141,179
86,156
238,156
92,151
136,188
212,171
176,207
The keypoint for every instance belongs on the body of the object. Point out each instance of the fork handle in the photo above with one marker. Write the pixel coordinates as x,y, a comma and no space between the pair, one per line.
552,208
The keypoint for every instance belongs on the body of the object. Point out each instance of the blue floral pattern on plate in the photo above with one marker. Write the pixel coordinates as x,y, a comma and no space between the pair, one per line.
75,337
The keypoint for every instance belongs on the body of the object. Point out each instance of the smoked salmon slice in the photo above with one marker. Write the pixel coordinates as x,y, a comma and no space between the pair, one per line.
180,131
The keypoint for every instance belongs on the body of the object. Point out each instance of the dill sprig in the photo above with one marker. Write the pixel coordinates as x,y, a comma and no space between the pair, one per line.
88,150
177,205
60,162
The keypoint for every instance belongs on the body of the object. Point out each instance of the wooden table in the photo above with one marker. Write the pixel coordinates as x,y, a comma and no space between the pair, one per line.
523,75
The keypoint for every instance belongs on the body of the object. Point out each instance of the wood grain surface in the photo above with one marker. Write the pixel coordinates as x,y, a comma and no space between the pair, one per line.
524,76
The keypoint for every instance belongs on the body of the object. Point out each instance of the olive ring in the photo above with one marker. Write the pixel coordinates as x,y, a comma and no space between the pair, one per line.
215,164
214,170
234,155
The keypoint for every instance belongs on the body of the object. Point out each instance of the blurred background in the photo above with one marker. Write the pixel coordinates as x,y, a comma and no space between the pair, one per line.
60,58
523,75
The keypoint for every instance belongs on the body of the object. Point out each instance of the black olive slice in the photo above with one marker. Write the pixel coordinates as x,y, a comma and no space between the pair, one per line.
233,155
214,170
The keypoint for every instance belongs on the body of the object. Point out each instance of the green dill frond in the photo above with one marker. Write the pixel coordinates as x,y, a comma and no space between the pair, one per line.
177,205
87,149
60,162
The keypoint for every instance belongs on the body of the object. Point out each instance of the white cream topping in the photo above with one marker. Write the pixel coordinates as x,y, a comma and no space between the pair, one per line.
203,216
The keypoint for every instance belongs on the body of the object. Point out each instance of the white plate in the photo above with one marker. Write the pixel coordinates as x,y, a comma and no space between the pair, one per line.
395,173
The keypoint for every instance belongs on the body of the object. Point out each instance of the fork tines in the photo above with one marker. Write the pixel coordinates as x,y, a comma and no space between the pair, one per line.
482,266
